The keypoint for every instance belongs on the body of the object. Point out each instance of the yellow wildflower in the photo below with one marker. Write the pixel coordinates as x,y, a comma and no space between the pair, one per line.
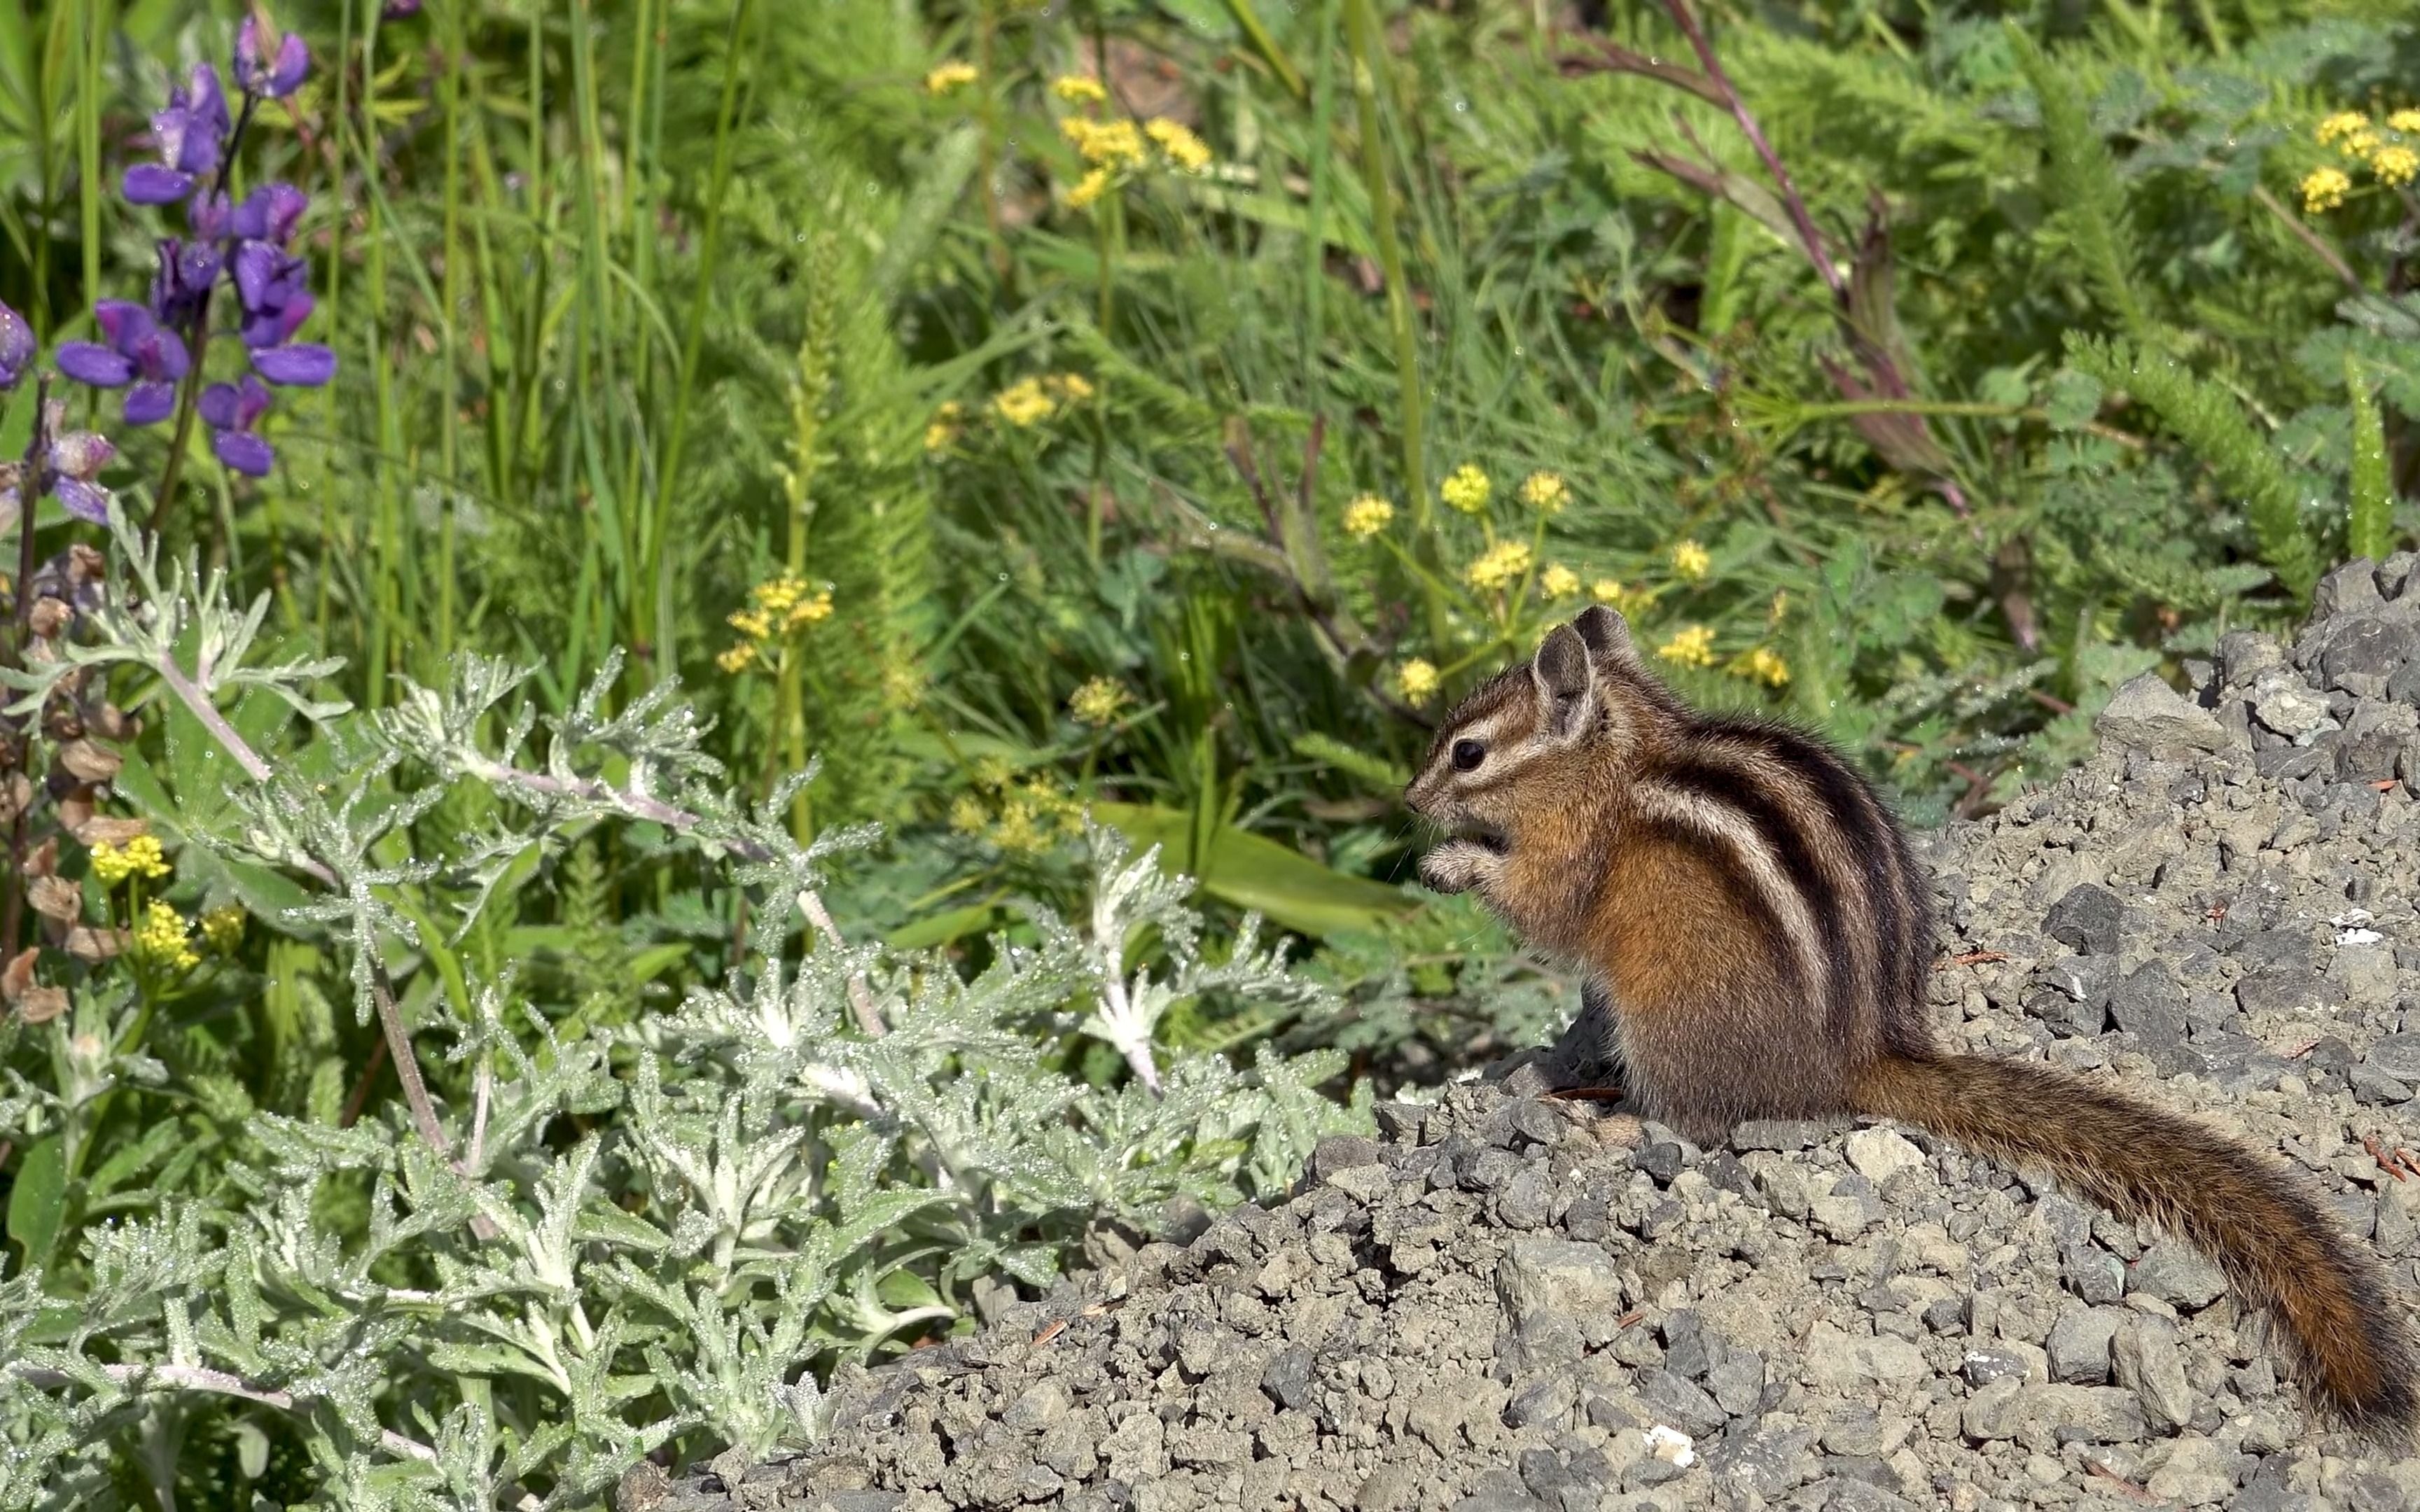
993,773
1465,489
1078,89
1185,149
950,78
1692,647
1069,388
967,815
1367,516
753,624
1765,664
163,937
1088,190
1559,582
2405,120
1019,830
809,611
1498,565
1607,590
138,857
223,928
1545,492
2394,166
2341,125
1098,701
943,427
2324,189
1418,679
738,658
1023,402
1691,562
1780,607
1103,143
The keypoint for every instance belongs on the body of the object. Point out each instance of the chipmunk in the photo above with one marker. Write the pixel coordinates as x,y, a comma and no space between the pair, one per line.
1756,938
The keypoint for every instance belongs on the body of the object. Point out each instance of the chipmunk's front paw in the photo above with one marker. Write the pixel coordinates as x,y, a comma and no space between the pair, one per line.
1458,866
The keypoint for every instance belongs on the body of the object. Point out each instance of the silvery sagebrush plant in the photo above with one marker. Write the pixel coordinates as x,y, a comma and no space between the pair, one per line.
568,1250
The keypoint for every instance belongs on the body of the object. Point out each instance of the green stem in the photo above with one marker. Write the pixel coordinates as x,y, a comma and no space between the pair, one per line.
709,244
1361,29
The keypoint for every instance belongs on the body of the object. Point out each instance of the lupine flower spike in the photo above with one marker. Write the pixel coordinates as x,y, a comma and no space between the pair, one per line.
140,352
231,410
191,134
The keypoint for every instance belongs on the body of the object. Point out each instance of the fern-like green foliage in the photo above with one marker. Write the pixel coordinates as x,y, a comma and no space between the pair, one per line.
2081,177
2369,527
2214,427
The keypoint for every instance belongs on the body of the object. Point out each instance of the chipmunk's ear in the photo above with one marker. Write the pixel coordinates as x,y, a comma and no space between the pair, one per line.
1605,633
1566,682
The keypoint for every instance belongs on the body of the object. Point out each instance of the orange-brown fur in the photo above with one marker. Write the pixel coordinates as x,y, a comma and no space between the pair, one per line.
1756,938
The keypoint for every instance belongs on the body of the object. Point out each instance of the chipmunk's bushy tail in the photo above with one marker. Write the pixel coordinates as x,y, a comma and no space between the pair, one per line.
2275,1244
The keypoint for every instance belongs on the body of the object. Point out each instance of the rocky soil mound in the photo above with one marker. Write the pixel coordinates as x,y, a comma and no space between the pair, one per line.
1507,1304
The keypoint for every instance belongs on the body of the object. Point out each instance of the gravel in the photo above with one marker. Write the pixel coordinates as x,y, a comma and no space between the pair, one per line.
1503,1304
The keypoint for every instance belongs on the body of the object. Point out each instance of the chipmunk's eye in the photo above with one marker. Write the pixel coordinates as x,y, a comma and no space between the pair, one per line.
1467,754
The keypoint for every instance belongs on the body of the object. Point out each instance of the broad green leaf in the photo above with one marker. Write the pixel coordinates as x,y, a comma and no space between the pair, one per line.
1253,872
39,1202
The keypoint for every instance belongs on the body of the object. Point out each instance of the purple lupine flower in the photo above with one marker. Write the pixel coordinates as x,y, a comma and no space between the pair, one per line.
276,300
192,136
74,460
181,283
271,78
141,351
231,410
269,214
16,347
399,9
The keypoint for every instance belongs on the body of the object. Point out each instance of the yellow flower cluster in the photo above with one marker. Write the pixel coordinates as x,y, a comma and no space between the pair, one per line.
1691,562
1030,401
1465,489
138,857
1614,596
2324,189
1498,566
1030,818
1559,582
2393,163
1418,679
1367,516
777,608
944,426
1765,664
1115,144
223,929
1693,646
1098,701
1079,89
1178,144
1545,492
164,938
950,78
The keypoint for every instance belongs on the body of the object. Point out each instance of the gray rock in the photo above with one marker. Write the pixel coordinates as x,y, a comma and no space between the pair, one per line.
2178,1275
2150,1006
2092,1273
1770,1460
1683,1404
2287,991
1339,1152
2285,703
1287,1379
2148,1360
2397,1055
2374,1088
1780,1134
2147,714
1985,1366
2348,589
2086,919
2079,1342
1560,1275
2197,1472
2244,655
